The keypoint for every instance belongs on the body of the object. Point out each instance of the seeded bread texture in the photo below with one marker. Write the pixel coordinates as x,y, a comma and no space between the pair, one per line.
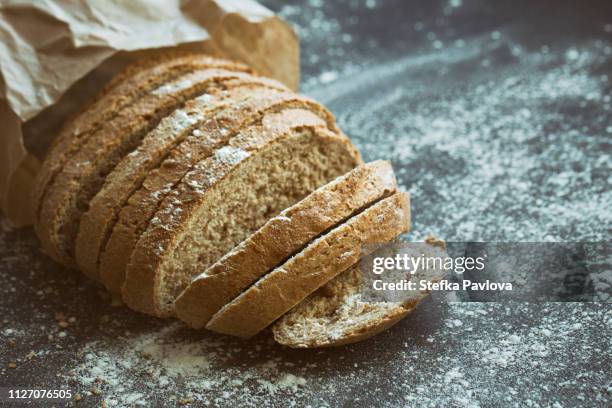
213,134
281,237
84,172
283,288
135,81
225,198
337,313
128,175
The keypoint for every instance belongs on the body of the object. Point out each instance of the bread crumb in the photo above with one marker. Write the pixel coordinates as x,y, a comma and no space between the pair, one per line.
434,241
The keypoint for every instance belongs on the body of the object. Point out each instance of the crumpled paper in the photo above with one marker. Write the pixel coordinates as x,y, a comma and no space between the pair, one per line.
57,54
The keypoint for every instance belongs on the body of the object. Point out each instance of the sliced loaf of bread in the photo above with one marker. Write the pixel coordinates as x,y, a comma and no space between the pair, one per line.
84,172
228,196
189,166
281,237
338,314
211,135
135,81
327,256
129,174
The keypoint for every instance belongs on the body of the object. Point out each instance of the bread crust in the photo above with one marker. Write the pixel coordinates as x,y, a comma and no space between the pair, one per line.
60,212
133,82
142,205
281,237
326,257
128,175
142,288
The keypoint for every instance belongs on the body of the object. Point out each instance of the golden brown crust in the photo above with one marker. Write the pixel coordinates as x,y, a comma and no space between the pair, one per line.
142,290
128,175
84,172
175,60
140,208
134,81
281,237
326,257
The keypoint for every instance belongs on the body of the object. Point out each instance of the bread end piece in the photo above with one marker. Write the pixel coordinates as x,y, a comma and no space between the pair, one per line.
337,314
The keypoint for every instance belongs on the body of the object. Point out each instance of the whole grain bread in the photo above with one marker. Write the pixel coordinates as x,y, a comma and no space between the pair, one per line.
339,314
129,174
131,84
286,286
140,208
83,174
182,158
281,237
226,197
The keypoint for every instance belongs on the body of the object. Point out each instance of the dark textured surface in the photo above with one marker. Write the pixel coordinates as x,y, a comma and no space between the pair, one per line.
498,121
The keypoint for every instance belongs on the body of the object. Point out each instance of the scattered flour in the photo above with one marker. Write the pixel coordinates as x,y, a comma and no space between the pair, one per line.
198,369
479,153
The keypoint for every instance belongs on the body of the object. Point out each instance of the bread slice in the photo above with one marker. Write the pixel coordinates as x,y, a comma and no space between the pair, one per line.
228,196
128,175
281,237
84,172
322,260
141,206
135,81
337,314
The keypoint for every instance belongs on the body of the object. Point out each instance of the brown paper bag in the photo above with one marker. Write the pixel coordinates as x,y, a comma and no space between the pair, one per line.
56,55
